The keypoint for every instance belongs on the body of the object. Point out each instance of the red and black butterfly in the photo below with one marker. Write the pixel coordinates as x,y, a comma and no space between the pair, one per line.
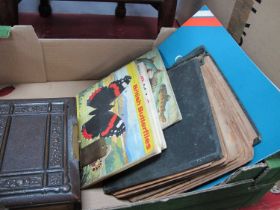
105,122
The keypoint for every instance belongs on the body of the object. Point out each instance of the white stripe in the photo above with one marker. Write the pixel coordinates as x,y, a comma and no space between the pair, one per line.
178,57
203,13
119,124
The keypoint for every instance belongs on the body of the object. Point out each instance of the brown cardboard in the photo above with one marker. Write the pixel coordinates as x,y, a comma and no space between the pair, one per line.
262,40
48,69
27,59
221,9
163,34
185,9
21,57
239,17
83,59
96,199
48,89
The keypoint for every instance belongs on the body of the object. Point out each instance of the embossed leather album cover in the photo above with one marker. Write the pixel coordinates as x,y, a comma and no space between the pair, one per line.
37,161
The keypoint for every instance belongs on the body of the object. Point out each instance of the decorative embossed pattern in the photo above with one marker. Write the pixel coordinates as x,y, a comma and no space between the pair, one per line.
30,108
20,182
34,154
3,121
56,141
58,107
4,109
55,179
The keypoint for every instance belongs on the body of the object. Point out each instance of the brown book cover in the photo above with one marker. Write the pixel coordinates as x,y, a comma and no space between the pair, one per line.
37,161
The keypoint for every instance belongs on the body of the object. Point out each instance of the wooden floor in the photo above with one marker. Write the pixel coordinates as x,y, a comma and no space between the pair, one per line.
91,26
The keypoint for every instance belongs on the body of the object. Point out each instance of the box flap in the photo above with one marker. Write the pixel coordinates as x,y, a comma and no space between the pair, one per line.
83,59
48,90
21,57
27,59
247,172
163,34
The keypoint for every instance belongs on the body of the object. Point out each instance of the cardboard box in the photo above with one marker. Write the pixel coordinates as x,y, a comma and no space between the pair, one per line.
255,25
186,9
44,68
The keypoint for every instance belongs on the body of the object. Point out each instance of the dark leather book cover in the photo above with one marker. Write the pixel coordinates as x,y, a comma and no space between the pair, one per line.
191,142
37,163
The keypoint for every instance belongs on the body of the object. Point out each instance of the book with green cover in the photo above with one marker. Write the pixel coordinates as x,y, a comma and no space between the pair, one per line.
117,127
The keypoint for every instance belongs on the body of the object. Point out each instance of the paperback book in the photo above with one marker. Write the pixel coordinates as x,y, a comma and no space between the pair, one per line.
117,127
167,107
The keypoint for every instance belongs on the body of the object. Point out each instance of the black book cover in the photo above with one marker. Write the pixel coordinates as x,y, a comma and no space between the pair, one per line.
37,163
191,142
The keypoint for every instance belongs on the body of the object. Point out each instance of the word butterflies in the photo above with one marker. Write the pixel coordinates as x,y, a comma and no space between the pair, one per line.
105,122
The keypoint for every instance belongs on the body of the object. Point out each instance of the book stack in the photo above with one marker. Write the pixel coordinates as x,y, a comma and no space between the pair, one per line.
214,136
145,131
186,123
121,118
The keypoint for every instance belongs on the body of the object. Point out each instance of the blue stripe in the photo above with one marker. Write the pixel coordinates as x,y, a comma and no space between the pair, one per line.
204,8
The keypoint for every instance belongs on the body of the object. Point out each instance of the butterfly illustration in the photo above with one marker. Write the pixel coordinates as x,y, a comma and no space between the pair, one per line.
105,122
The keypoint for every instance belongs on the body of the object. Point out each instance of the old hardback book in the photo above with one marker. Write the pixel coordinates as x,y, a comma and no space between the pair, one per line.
38,164
235,132
234,128
118,124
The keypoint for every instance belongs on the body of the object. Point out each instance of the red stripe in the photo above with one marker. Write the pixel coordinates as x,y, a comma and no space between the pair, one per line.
110,125
94,93
6,90
116,89
86,134
210,21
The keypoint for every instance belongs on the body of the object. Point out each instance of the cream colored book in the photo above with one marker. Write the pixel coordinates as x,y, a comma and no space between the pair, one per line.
166,103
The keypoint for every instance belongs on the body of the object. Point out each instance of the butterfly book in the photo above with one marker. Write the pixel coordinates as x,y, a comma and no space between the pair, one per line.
118,124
